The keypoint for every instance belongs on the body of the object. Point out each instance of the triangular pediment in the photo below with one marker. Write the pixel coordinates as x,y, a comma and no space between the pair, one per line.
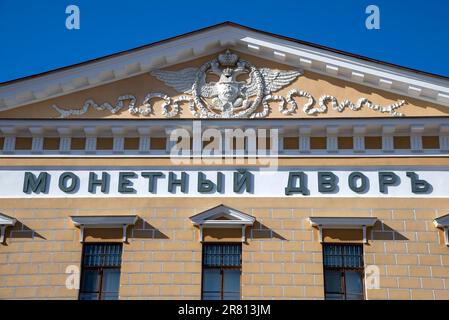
222,216
285,78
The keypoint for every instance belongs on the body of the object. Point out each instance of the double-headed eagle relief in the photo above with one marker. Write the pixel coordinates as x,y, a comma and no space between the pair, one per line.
228,87
228,97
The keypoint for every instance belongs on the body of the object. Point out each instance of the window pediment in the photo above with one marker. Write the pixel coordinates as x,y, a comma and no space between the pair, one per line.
222,217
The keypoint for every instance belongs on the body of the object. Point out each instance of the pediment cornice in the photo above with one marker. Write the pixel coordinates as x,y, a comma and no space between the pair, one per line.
290,52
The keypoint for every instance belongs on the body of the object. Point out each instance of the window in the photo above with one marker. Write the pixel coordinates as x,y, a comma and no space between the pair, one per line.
100,277
343,272
222,267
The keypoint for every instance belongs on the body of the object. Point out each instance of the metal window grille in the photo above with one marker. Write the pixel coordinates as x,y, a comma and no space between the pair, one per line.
222,255
102,255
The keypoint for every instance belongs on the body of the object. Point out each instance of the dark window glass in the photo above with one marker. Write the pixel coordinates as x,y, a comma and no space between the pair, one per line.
100,276
343,272
222,268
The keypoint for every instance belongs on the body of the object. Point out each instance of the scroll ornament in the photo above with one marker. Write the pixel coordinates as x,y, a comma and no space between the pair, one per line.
228,97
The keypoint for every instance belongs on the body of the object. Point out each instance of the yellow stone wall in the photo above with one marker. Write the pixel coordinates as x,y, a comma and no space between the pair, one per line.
282,258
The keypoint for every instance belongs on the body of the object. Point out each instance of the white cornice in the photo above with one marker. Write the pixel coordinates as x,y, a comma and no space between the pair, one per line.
103,222
210,41
146,125
368,73
443,223
5,222
342,223
115,68
143,128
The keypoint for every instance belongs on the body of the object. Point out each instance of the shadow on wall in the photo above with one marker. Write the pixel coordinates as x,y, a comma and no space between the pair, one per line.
141,230
380,231
144,230
21,231
261,231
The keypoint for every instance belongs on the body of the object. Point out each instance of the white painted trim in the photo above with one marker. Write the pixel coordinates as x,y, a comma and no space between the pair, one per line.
358,70
415,128
103,222
2,233
113,69
443,223
288,154
5,222
189,47
388,138
205,216
205,219
446,235
358,124
342,223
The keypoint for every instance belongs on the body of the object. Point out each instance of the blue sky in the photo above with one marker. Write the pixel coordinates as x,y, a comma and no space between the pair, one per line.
34,37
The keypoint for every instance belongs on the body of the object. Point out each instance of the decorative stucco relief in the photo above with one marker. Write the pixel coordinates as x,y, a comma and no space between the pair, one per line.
228,97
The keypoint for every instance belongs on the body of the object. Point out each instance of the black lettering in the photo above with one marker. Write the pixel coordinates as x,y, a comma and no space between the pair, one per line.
124,184
242,180
292,187
419,186
39,184
387,179
327,182
152,180
173,182
358,176
63,180
95,182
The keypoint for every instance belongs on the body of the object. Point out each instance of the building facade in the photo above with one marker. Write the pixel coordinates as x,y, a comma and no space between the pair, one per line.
227,163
